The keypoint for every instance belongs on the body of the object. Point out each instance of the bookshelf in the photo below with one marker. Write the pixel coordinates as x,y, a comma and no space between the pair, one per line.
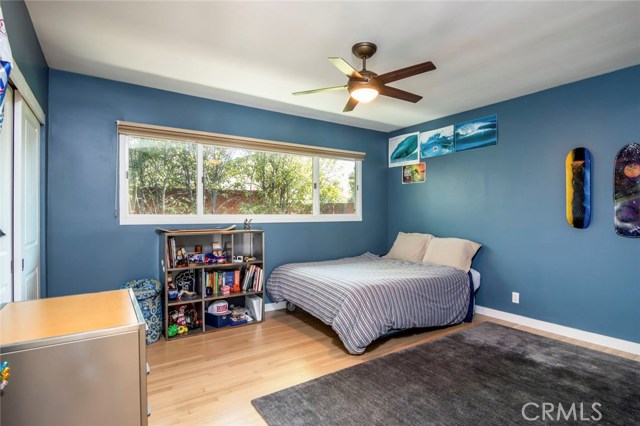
201,269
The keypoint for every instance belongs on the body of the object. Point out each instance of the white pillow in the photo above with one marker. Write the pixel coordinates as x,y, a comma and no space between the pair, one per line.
411,247
454,252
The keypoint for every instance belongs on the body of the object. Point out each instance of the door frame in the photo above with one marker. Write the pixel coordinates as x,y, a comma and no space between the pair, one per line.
6,202
23,93
19,213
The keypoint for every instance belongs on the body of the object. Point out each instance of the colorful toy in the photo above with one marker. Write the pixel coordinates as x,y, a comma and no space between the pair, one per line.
181,258
183,330
172,330
5,371
184,316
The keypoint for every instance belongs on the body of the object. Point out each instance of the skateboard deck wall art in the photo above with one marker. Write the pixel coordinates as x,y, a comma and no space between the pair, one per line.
578,175
626,191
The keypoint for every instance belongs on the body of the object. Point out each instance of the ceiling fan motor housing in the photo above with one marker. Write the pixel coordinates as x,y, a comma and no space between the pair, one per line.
370,81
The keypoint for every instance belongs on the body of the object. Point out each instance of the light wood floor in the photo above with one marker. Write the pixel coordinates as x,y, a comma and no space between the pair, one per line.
211,379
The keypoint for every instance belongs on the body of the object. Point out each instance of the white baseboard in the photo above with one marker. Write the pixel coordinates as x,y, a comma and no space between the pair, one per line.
275,306
574,333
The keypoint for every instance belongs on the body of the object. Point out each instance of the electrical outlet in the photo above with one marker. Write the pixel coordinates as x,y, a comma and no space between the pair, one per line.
515,297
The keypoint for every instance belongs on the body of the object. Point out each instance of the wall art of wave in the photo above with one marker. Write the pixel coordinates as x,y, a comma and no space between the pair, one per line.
476,133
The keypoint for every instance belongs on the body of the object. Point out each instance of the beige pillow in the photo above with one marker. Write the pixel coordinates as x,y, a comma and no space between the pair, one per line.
409,247
454,252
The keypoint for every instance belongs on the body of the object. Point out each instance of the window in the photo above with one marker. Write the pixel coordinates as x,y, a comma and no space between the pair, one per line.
337,186
172,176
162,178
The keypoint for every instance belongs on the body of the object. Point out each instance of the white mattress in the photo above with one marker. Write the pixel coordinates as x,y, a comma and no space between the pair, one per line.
475,275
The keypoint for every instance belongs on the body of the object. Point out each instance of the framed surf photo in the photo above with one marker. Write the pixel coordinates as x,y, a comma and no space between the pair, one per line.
476,133
414,173
403,150
437,142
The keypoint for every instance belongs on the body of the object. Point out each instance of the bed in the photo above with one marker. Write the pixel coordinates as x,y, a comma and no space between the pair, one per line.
367,296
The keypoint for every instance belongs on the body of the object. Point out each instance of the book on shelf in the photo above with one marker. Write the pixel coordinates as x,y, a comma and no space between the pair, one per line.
228,278
171,242
248,278
253,279
257,281
213,281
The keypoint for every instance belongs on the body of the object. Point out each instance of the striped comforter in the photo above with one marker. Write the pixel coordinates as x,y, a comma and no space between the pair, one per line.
364,297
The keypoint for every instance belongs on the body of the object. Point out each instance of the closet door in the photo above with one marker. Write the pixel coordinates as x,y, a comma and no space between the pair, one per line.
26,202
6,199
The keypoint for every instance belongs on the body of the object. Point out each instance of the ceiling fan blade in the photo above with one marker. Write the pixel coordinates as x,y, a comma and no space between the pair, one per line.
344,66
326,89
406,72
399,94
351,104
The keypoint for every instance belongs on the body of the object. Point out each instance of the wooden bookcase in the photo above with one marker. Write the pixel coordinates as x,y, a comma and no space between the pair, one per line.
196,277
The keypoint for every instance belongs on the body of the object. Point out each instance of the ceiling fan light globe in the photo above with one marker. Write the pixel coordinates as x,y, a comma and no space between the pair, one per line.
364,94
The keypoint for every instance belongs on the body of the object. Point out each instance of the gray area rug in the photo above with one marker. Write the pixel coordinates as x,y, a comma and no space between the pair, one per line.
485,375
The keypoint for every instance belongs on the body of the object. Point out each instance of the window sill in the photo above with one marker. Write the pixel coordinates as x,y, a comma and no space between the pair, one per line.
224,219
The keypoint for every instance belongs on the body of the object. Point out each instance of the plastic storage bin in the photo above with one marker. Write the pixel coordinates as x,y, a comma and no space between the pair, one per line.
217,321
148,292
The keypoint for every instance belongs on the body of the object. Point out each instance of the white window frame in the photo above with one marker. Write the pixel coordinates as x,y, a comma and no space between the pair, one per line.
122,211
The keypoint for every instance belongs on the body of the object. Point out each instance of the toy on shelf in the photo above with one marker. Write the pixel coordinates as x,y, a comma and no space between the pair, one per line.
5,372
218,255
172,291
184,316
172,330
181,258
186,294
239,316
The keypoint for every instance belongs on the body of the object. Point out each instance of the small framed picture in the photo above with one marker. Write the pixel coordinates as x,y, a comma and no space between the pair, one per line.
414,173
196,258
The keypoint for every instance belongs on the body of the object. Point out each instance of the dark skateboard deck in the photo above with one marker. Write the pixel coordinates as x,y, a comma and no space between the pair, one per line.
578,172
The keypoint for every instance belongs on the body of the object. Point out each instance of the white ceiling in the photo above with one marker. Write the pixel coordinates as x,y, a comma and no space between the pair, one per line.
258,53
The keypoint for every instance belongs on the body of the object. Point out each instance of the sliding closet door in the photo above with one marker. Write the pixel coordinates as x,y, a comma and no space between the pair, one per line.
26,202
6,199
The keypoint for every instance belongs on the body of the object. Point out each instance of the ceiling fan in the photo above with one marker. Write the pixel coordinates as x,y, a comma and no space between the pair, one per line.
365,85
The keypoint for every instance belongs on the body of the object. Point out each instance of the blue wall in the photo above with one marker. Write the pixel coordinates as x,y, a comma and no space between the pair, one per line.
511,198
90,251
25,48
